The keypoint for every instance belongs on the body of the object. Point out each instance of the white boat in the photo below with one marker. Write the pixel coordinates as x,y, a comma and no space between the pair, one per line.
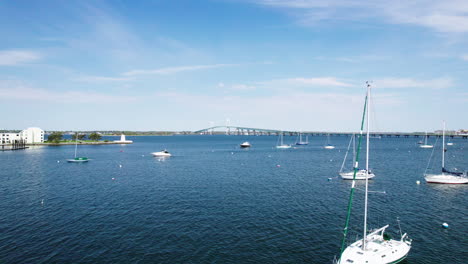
425,145
246,144
449,143
375,247
360,174
162,153
446,177
78,159
281,144
328,145
300,142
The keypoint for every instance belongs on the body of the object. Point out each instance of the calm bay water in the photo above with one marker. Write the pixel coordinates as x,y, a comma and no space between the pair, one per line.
212,202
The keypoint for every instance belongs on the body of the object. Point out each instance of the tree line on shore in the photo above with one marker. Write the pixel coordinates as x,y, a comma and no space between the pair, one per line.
57,137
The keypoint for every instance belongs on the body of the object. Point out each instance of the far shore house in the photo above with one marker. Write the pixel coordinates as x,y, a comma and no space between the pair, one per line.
30,135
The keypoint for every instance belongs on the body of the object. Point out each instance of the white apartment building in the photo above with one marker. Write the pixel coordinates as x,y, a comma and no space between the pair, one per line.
31,135
8,138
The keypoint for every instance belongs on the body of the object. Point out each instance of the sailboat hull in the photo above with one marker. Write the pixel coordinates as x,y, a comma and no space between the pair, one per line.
445,179
360,175
426,146
78,160
378,250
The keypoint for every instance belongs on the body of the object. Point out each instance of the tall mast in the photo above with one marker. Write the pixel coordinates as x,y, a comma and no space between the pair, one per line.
76,143
443,146
355,169
367,168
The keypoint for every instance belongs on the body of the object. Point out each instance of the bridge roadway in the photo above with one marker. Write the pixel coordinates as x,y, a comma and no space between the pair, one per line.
235,130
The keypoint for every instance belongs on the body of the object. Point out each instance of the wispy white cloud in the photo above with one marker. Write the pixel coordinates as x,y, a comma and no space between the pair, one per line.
313,82
438,83
172,70
442,16
14,90
102,79
464,57
243,87
18,57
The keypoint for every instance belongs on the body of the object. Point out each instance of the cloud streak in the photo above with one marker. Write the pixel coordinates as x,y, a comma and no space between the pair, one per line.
18,91
442,16
313,82
438,83
18,57
173,70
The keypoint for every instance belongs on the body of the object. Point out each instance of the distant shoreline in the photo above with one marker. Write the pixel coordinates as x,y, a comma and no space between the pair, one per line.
80,143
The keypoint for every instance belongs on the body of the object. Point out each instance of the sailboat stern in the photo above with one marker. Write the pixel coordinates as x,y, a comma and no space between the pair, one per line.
380,249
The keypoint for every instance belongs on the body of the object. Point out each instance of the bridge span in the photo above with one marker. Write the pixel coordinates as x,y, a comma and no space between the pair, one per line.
236,130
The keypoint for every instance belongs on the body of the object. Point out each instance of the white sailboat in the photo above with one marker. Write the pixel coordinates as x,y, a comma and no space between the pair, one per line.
300,142
360,174
77,159
281,144
328,145
425,145
446,177
376,247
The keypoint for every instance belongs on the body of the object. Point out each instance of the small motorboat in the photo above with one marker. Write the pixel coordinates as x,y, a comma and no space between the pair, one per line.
162,153
245,145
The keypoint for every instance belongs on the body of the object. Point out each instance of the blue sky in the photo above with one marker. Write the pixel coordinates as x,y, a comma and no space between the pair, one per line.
280,64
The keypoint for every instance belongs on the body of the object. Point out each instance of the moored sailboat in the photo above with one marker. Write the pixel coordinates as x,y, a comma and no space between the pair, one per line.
446,176
300,142
328,145
376,247
360,174
425,145
77,159
281,144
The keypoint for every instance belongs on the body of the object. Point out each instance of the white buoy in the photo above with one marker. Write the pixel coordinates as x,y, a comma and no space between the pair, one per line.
445,225
42,202
58,161
418,182
329,179
120,165
113,178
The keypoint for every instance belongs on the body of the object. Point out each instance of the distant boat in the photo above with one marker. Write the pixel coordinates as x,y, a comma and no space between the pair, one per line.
281,144
300,142
360,174
246,144
162,153
77,159
425,145
377,246
446,177
328,145
450,143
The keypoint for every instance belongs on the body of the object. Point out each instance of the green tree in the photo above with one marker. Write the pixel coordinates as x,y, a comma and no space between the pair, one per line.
55,137
95,136
80,136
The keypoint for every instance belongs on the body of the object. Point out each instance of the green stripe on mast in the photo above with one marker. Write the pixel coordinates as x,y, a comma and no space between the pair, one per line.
351,194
